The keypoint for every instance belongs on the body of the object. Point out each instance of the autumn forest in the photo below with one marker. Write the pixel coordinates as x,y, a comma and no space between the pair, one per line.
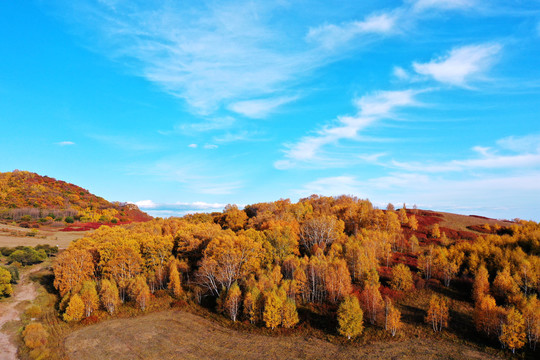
332,267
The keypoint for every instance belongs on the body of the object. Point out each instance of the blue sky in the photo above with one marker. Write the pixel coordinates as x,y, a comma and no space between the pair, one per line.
188,105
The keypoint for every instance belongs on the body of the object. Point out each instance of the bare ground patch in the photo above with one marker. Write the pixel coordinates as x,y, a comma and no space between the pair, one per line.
49,236
180,335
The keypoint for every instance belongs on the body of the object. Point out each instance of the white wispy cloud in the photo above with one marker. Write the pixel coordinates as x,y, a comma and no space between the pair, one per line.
208,53
461,64
527,143
371,108
241,135
65,143
486,162
210,146
423,5
260,108
400,73
331,36
525,154
193,146
206,125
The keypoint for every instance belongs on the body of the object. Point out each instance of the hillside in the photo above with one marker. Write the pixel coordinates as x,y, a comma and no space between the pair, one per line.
28,196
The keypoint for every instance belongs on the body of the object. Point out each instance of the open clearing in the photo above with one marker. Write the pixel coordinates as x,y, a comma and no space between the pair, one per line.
179,335
11,236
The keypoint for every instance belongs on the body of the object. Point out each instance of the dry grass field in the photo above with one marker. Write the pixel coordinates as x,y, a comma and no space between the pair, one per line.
11,236
460,222
180,335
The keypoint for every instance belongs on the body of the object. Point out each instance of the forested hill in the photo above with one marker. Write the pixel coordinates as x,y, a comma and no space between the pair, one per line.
38,195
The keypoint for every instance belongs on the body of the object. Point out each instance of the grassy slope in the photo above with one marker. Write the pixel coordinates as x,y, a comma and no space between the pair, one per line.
180,335
461,222
12,236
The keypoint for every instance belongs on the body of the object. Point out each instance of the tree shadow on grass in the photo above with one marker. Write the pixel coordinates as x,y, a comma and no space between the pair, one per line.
412,315
319,321
46,279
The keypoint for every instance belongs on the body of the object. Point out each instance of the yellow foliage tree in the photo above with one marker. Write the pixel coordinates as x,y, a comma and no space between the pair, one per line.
513,330
435,231
272,310
252,304
481,284
140,292
413,243
75,309
175,285
234,219
486,316
402,213
350,317
531,314
34,335
5,282
123,266
109,295
290,315
402,279
89,297
504,285
413,223
233,301
393,318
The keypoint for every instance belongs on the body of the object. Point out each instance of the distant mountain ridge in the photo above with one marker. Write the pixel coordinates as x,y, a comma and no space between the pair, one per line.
40,194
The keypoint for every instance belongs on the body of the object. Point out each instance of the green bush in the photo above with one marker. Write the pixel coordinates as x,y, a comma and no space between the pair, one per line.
49,250
28,256
14,273
69,220
6,251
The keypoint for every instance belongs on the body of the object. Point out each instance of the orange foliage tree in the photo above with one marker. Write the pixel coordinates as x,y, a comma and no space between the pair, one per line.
71,269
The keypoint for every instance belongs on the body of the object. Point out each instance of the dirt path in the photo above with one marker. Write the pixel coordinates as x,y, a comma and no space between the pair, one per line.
25,290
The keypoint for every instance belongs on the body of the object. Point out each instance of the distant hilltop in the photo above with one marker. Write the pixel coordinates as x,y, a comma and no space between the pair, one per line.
27,196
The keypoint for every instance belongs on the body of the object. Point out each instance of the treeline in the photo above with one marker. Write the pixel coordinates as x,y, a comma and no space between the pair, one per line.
261,263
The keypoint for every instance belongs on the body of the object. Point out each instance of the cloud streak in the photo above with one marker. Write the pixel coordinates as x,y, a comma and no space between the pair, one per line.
526,155
209,54
460,65
331,36
425,5
260,108
370,109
